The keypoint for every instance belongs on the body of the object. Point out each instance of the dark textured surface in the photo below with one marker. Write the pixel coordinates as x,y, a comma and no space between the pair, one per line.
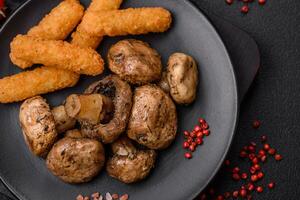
218,103
275,94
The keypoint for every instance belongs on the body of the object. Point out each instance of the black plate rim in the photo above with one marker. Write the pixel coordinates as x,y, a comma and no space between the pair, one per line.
236,96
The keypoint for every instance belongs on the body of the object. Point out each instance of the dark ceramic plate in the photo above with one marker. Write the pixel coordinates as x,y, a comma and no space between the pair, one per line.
174,177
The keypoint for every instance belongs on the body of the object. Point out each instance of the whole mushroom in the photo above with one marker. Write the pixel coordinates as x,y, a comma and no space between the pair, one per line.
129,164
135,61
38,125
63,122
182,75
121,95
153,120
76,160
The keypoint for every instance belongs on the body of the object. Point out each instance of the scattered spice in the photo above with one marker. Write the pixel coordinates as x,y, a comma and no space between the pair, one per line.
256,155
108,196
256,124
245,6
271,185
195,137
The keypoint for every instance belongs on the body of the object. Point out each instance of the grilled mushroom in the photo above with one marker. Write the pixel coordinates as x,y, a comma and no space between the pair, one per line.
38,125
120,93
135,61
153,120
182,77
128,163
76,160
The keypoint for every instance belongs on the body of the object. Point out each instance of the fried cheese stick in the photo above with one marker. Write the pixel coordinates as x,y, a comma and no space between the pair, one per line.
82,38
132,21
57,25
31,83
60,54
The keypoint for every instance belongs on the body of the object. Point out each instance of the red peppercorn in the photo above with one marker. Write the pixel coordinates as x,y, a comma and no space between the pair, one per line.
259,189
256,123
199,134
257,167
253,144
229,2
243,154
199,141
245,148
227,162
251,148
254,160
197,128
266,147
227,195
188,155
204,126
236,170
263,158
263,138
201,120
249,197
261,2
260,175
236,177
192,134
186,133
271,185
220,197
251,156
189,140
243,193
261,152
278,157
250,186
192,148
186,145
252,170
254,178
235,194
206,132
244,176
272,151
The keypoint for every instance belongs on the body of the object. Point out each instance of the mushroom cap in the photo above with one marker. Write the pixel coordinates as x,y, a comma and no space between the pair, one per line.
38,125
153,120
76,160
129,164
135,61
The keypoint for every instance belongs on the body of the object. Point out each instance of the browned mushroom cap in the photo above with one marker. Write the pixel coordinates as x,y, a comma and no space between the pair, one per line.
120,93
135,61
76,160
153,120
38,125
129,164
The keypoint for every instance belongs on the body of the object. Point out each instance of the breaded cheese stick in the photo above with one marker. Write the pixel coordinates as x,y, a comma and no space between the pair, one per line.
83,39
60,22
31,83
55,53
132,21
57,25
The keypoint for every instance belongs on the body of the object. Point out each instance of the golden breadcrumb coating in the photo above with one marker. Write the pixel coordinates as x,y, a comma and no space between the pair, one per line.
57,54
35,82
132,21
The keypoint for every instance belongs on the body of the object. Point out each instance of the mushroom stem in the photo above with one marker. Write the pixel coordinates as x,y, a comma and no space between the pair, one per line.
92,107
62,121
